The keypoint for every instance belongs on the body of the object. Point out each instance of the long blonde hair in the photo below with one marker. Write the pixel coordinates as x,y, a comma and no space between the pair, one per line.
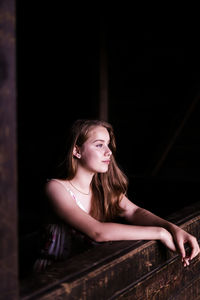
107,188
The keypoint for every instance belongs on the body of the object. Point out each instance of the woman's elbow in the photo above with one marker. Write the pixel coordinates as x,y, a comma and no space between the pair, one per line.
100,235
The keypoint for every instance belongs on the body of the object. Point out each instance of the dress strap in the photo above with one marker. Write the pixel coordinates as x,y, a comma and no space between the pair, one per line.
71,193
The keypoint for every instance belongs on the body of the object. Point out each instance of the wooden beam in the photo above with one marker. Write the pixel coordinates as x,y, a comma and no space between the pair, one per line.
103,98
122,270
8,178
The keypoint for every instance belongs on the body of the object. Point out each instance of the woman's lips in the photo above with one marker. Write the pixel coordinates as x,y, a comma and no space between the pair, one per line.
106,161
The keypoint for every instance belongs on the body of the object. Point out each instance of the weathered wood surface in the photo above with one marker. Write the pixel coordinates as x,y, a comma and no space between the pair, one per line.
123,270
8,154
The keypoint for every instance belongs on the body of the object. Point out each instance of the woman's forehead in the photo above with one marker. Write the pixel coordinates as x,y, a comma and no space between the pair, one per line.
98,132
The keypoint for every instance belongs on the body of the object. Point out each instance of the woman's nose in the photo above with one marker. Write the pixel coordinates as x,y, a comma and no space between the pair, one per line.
108,151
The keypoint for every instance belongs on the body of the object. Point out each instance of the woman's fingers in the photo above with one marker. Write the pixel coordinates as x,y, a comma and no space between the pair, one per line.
186,261
194,248
181,248
181,238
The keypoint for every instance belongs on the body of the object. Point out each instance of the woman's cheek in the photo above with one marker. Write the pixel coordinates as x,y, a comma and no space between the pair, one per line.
90,157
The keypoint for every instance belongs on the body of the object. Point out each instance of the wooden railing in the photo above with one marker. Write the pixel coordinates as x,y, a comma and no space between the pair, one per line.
123,270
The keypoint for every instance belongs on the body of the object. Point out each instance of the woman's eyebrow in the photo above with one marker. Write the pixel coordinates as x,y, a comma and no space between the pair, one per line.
99,140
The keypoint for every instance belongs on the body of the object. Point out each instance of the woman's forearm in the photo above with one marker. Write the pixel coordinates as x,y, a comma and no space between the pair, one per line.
144,226
117,232
146,218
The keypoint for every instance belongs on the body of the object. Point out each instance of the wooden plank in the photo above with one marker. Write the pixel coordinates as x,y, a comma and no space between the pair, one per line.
166,282
113,270
8,186
191,291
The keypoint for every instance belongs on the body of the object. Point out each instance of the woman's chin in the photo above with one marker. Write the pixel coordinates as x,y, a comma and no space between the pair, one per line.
103,170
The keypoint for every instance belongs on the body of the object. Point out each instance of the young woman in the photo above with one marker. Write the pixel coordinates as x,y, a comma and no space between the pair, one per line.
93,193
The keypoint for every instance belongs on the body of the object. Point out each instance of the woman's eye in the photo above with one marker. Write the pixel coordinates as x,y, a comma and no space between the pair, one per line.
99,145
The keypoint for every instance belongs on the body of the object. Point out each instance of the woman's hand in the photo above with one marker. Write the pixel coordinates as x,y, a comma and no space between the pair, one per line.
181,238
176,241
170,235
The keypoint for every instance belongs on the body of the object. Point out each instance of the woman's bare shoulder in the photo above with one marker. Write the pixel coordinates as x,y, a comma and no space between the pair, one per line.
55,186
55,183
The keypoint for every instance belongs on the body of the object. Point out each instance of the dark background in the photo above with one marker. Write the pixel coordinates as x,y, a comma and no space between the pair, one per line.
153,78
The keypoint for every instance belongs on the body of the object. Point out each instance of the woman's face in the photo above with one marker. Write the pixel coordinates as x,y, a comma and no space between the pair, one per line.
95,152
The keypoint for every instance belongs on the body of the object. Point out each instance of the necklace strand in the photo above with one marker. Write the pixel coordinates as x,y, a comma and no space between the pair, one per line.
79,190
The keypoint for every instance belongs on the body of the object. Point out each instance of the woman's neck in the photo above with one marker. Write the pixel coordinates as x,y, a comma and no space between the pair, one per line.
82,179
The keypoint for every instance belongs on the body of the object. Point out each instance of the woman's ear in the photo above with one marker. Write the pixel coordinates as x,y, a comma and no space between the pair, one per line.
76,152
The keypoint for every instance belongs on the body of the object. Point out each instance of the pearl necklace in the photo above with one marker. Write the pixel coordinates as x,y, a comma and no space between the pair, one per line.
79,190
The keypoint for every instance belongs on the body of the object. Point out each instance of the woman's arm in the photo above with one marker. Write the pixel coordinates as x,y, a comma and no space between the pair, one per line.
69,211
139,216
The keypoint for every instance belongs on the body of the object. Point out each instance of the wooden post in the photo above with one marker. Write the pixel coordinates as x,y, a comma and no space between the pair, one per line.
103,101
8,189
